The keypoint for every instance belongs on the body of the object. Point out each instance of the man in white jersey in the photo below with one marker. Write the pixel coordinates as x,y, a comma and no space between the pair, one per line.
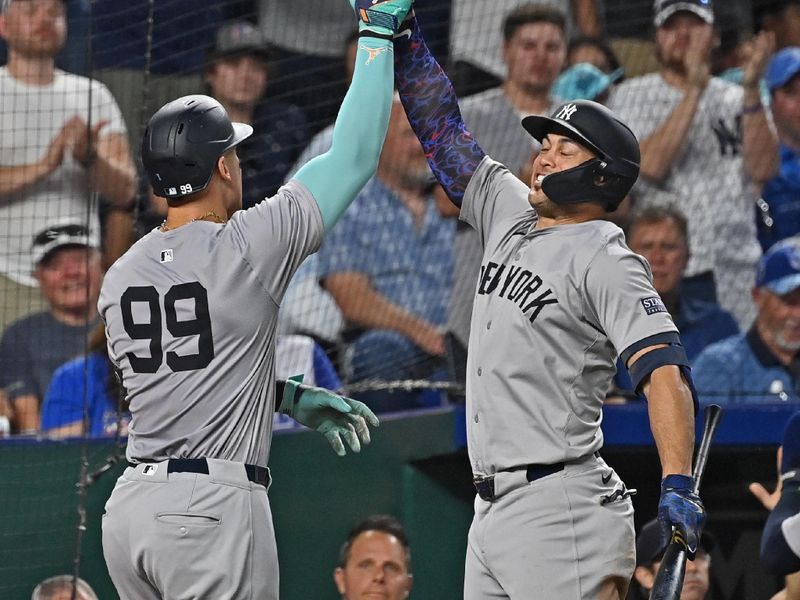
190,313
560,296
62,140
707,142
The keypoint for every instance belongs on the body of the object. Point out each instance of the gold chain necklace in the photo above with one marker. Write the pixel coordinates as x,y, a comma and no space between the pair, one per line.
209,215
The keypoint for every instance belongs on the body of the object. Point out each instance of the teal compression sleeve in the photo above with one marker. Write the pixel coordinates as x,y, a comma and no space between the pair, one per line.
336,177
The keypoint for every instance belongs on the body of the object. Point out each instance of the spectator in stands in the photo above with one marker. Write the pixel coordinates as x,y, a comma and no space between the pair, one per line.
56,151
593,50
649,552
375,560
661,236
705,141
388,265
61,587
781,18
780,216
534,51
479,61
780,540
89,385
760,366
69,271
237,75
584,81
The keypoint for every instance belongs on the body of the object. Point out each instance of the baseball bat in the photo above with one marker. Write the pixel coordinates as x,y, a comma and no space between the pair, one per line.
669,580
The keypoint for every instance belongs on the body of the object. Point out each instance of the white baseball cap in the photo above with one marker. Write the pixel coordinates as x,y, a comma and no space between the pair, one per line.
664,9
60,235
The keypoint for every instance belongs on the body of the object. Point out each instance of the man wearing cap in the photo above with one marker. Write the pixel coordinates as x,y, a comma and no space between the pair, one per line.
237,75
707,142
760,366
780,214
56,152
650,548
68,269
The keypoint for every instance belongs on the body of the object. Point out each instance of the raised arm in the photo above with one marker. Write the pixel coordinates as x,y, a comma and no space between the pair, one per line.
432,108
336,177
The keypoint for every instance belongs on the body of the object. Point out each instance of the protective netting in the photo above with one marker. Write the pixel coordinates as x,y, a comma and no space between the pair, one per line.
71,178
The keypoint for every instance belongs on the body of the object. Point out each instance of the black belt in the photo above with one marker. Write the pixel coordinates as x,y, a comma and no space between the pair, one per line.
255,473
485,485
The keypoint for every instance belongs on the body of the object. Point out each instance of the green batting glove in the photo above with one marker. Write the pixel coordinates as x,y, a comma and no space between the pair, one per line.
336,417
381,17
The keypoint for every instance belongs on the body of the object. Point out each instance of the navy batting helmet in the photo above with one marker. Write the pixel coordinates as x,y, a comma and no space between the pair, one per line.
183,141
606,179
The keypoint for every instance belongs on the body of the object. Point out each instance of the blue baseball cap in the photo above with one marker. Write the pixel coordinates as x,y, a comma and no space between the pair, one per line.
784,65
779,268
583,81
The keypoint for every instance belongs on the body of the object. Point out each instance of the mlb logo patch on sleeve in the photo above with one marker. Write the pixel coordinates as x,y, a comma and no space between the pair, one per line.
653,305
166,255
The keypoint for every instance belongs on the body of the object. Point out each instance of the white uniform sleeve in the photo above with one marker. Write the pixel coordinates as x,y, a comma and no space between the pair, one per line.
493,194
276,235
620,299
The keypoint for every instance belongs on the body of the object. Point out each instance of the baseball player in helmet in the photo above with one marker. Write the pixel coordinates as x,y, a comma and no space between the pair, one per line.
559,297
190,314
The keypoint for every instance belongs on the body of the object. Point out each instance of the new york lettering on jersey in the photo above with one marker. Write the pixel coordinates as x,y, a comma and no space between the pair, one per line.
518,285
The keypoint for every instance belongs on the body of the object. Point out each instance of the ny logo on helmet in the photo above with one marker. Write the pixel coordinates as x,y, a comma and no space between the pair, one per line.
566,112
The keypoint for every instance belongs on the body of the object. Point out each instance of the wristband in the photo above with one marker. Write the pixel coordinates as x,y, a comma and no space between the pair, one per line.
752,108
374,34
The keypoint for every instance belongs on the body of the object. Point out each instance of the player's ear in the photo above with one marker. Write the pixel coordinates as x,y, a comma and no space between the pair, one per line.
338,578
222,168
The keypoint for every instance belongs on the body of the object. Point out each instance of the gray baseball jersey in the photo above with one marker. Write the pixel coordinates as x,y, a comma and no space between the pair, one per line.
190,317
553,310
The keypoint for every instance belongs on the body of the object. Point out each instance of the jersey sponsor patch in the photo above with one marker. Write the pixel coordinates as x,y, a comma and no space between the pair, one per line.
166,255
653,305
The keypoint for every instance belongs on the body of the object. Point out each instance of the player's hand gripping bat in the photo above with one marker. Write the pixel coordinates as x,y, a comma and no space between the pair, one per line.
669,580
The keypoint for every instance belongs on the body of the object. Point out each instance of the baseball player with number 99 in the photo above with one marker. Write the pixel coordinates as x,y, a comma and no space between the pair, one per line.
559,297
190,314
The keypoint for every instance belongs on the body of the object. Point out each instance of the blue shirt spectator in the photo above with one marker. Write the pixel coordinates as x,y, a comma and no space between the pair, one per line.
82,384
701,323
378,237
87,384
389,266
660,235
779,214
761,366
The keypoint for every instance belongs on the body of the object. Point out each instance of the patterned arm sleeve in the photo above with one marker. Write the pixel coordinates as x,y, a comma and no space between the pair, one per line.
432,108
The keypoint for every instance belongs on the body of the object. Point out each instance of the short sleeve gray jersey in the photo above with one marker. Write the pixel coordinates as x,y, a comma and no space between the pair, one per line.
554,308
190,318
